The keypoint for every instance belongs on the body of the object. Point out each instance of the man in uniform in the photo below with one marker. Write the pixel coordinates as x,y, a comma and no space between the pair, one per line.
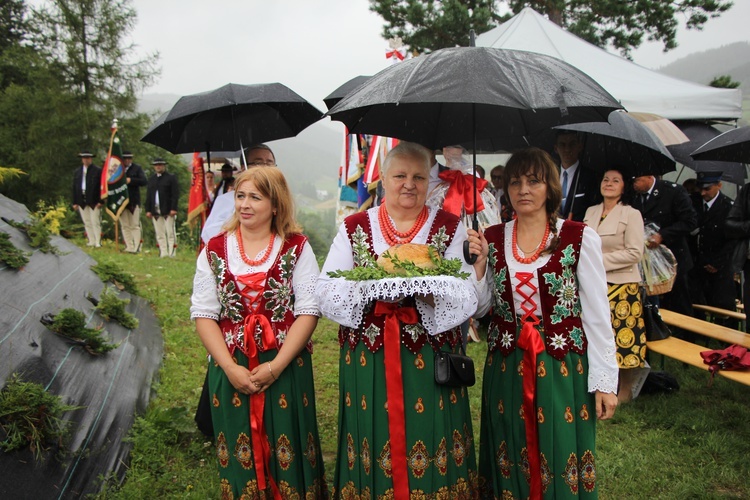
712,278
667,206
87,197
130,219
162,194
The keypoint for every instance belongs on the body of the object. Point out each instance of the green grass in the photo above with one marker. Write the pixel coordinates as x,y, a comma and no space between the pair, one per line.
691,444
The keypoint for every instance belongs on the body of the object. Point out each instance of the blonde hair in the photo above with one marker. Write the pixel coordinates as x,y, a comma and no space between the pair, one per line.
271,183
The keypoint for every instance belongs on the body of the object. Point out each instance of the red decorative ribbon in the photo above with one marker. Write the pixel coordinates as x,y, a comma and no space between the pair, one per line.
530,340
254,282
460,194
394,385
394,53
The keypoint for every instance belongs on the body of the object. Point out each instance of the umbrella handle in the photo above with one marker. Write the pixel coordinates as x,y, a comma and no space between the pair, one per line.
469,257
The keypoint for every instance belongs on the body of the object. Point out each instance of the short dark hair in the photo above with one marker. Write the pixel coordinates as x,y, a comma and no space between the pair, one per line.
259,146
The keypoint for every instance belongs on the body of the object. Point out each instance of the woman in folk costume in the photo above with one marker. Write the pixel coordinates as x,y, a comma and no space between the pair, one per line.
550,371
620,227
255,309
400,434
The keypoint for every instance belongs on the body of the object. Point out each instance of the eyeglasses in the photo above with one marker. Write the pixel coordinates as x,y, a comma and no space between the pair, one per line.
261,163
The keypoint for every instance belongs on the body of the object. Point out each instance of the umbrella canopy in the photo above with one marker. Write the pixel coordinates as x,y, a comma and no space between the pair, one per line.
625,142
699,133
232,117
461,94
334,97
732,145
666,130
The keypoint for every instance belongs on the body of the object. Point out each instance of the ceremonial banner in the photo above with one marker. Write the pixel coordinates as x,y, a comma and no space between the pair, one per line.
198,201
114,186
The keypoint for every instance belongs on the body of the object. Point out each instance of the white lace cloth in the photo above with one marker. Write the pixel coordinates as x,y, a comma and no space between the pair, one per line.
205,299
343,300
592,289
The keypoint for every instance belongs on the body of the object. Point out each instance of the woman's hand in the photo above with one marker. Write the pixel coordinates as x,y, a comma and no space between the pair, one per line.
240,378
478,246
606,402
263,376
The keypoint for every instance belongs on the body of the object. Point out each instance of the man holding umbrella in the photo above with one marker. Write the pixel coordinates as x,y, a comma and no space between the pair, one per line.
162,195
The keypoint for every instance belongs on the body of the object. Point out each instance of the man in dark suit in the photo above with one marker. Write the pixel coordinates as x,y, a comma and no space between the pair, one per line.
578,183
712,278
162,194
87,197
130,219
226,182
668,207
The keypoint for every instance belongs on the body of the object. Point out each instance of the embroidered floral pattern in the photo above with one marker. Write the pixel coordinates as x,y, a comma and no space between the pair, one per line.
501,307
371,333
311,452
414,331
439,240
503,460
243,452
418,459
351,453
576,335
587,471
571,473
565,287
441,458
384,461
222,450
366,458
287,491
361,249
284,452
250,490
226,490
546,473
279,295
459,449
229,297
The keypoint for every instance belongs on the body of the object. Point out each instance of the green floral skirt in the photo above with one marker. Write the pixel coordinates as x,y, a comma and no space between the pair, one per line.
566,419
440,451
295,464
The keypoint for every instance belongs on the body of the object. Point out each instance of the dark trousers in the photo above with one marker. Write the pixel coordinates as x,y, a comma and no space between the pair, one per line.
678,300
716,290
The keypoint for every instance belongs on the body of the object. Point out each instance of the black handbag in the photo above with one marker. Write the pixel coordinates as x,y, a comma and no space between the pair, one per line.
454,370
656,329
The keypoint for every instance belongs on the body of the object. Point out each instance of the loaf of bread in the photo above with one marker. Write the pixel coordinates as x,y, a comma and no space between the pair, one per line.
407,252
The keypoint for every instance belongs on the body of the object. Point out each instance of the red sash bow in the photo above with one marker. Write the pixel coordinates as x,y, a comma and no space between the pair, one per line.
460,193
394,53
394,385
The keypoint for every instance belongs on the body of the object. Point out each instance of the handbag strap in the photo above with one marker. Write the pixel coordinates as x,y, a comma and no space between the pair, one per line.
464,336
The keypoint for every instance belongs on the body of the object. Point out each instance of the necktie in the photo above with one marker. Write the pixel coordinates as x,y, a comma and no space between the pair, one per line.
565,184
705,208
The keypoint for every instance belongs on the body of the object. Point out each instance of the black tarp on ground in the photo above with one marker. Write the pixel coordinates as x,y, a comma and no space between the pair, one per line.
113,387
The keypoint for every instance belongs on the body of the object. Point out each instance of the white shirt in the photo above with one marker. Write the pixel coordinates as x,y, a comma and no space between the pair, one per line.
592,288
221,211
712,200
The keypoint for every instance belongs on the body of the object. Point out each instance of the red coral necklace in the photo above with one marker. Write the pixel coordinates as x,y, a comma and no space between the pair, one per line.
263,258
537,252
391,234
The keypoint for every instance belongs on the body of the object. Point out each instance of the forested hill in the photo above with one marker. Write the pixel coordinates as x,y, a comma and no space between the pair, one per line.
702,67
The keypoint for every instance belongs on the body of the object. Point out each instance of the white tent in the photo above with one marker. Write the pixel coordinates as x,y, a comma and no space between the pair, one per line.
636,87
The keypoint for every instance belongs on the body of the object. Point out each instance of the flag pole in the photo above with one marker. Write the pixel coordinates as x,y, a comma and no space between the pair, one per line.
105,173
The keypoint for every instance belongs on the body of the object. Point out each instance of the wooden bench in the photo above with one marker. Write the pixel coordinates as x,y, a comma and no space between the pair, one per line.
705,328
717,311
690,353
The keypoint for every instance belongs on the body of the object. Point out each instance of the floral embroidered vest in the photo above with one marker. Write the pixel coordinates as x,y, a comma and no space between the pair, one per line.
559,301
277,303
370,331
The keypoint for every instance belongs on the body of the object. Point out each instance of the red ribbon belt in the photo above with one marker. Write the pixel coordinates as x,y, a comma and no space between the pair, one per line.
261,447
460,194
530,341
394,385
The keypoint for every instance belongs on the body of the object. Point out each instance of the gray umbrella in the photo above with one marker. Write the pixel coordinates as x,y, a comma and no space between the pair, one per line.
625,142
732,145
699,133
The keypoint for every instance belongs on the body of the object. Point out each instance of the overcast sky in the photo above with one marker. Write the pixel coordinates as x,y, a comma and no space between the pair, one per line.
313,46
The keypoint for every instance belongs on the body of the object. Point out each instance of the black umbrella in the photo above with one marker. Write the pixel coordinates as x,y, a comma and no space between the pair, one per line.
479,96
698,134
334,97
732,145
625,142
232,117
